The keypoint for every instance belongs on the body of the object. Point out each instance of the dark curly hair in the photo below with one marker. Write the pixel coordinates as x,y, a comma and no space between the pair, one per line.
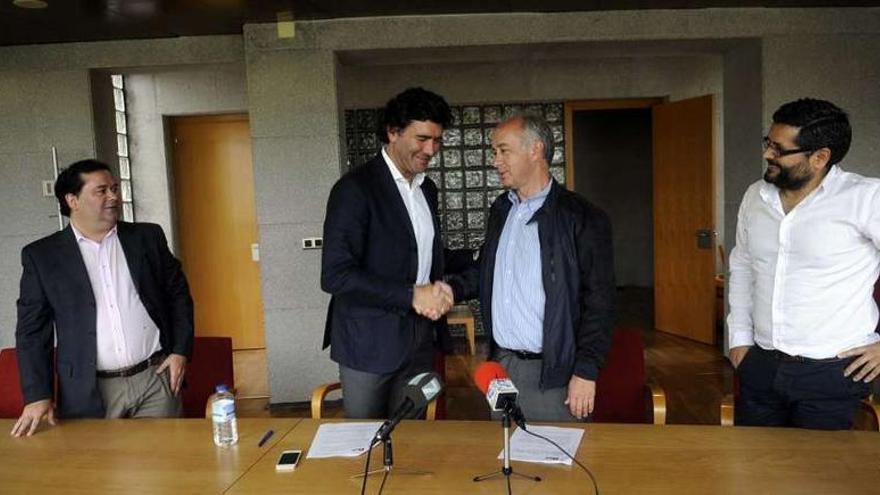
413,104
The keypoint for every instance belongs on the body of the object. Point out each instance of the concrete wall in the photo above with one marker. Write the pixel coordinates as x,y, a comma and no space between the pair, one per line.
41,109
493,80
743,125
296,136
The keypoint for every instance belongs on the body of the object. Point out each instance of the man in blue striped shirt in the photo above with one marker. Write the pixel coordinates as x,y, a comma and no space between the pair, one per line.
546,279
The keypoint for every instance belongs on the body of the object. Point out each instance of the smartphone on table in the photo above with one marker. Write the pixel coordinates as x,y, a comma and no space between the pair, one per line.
288,460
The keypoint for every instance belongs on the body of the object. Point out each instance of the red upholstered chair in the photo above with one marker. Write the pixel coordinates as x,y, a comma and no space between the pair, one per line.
11,400
211,364
623,392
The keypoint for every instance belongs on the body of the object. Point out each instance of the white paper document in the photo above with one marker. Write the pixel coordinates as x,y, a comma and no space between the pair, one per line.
524,447
342,439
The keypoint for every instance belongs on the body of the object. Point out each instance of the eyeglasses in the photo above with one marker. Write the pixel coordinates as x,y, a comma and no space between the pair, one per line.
779,152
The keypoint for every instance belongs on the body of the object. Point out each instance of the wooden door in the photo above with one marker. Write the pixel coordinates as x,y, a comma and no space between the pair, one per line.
216,225
684,211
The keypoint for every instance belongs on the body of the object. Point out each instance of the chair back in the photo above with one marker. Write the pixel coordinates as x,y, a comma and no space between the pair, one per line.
11,400
211,365
620,388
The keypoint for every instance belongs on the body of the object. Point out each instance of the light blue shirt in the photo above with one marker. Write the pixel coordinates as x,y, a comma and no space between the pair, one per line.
518,288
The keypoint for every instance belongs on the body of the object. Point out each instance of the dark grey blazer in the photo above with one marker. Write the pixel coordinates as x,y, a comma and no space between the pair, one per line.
55,291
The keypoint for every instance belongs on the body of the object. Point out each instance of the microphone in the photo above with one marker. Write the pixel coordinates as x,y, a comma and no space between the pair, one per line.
418,392
492,379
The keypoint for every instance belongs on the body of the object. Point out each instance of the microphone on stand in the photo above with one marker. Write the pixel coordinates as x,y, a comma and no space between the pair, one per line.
492,379
418,392
501,394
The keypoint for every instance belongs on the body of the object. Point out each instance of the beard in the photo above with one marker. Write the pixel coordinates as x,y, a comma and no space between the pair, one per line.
791,178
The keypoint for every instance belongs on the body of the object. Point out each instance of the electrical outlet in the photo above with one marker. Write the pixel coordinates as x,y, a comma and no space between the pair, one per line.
312,242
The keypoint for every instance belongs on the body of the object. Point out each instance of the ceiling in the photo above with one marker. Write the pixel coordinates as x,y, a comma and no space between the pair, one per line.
94,20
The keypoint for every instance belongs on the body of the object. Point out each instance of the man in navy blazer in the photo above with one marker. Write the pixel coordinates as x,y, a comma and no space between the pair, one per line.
114,299
383,259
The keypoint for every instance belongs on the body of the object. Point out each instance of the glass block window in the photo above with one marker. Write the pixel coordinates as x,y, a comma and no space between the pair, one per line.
462,170
125,189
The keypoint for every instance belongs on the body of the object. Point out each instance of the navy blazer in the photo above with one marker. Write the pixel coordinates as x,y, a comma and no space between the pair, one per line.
56,291
369,265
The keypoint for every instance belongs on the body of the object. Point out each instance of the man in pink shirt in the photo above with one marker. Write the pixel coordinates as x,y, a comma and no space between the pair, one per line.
113,299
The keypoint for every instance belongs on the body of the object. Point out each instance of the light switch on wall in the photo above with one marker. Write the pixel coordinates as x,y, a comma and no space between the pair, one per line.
255,252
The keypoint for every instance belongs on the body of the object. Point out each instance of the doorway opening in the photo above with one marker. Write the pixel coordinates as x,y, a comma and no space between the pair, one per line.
610,158
650,165
613,170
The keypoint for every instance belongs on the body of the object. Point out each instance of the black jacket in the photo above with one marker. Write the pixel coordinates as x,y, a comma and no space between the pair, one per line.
369,264
577,268
56,292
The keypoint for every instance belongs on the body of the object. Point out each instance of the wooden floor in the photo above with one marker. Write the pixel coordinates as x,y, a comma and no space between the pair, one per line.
695,376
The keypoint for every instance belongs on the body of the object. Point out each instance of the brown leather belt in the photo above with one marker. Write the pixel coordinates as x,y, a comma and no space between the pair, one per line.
153,360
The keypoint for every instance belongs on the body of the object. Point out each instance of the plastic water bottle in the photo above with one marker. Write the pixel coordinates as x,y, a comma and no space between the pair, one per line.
223,416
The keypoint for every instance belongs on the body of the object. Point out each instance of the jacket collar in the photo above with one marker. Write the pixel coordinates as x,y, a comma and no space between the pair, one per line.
549,202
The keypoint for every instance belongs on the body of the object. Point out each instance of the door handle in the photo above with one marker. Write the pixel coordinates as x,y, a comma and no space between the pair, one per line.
706,238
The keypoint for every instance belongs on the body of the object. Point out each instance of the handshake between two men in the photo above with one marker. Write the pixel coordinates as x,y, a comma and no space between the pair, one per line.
432,300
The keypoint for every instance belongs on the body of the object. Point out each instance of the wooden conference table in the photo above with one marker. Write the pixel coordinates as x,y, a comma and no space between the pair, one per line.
131,456
178,456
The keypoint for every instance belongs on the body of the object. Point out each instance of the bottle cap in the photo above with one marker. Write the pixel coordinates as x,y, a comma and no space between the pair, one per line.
222,388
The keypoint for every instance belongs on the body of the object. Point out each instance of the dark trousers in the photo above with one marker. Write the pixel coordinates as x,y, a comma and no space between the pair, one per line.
368,395
779,390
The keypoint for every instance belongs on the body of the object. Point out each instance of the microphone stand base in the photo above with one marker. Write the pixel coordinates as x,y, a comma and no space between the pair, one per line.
388,465
506,469
500,472
396,470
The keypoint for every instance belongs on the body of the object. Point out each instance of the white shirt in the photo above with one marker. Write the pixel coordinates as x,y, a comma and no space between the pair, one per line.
419,215
802,282
126,334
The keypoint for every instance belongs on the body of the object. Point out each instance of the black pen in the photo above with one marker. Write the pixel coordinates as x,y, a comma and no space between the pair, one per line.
265,438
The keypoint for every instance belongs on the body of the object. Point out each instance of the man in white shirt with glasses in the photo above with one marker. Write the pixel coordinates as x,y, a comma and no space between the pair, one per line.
802,315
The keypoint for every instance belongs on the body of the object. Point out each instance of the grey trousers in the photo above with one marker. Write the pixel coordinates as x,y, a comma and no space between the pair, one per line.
368,395
144,395
536,404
